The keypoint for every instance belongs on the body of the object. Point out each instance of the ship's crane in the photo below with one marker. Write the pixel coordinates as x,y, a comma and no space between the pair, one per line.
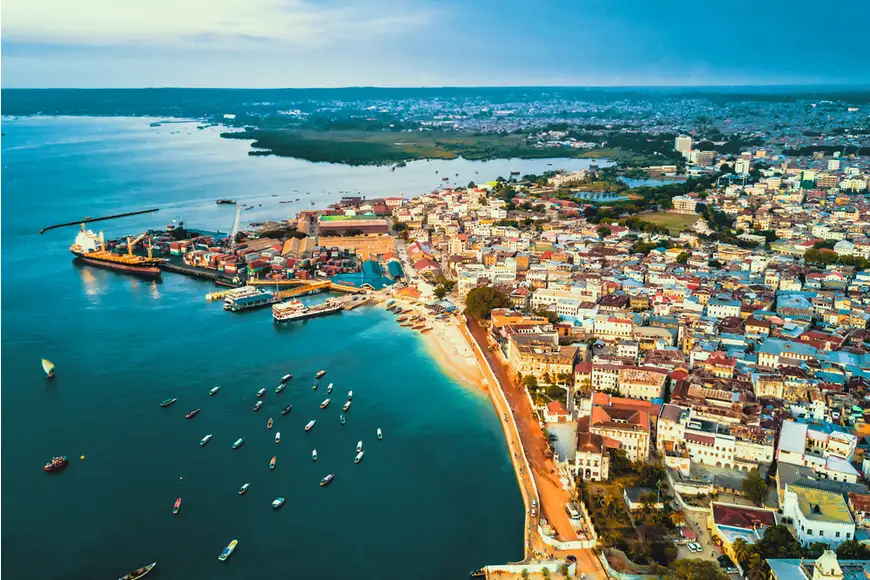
133,243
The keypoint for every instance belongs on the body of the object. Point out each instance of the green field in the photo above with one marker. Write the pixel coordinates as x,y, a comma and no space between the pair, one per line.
675,222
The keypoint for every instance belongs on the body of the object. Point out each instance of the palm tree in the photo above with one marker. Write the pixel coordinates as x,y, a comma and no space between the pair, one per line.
741,551
525,574
546,573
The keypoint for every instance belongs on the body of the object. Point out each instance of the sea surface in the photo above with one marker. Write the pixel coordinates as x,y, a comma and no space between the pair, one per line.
433,500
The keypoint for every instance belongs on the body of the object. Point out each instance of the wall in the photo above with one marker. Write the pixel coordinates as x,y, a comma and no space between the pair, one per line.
623,576
553,566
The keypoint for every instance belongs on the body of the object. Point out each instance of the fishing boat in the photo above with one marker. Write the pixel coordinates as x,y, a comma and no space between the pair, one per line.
350,395
136,574
168,402
272,462
346,406
315,385
402,318
192,414
279,501
177,507
56,464
286,378
286,409
213,392
358,446
244,488
278,437
228,550
358,457
426,329
48,367
319,374
261,392
314,454
380,434
258,405
325,403
405,324
343,420
327,480
205,440
310,425
280,388
238,443
329,388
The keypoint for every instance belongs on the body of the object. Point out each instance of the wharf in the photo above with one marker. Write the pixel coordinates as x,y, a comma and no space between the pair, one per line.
355,301
303,290
332,286
197,273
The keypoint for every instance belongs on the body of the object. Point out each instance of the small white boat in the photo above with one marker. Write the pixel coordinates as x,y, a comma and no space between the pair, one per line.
314,454
213,392
244,488
238,443
350,395
319,374
380,434
278,437
346,406
310,425
279,501
280,388
325,403
329,388
205,440
286,378
358,446
48,367
261,392
358,457
228,550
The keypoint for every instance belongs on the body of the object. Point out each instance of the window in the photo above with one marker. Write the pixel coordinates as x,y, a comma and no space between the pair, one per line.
809,532
838,534
848,535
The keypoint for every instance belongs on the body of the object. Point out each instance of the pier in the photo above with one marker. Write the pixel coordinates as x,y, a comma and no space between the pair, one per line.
332,286
196,273
98,219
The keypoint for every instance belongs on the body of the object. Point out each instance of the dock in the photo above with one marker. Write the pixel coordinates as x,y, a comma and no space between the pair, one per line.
303,290
197,273
98,219
332,286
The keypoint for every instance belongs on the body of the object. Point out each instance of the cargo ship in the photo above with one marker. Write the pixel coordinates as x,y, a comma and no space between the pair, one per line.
90,248
295,310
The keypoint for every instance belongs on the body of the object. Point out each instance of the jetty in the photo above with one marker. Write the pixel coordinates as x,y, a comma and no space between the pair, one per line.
328,285
98,219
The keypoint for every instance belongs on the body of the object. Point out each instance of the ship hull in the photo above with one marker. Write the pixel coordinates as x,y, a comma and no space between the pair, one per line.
141,271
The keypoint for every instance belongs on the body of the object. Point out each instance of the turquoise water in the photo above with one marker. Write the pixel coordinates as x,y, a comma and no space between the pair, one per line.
436,498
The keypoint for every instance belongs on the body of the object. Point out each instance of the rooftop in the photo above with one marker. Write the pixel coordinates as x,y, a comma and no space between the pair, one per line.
820,505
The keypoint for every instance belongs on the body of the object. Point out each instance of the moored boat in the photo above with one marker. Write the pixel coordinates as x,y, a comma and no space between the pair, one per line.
213,392
358,457
343,420
228,550
280,388
286,378
205,440
48,367
278,437
329,388
279,501
58,463
238,443
310,425
319,374
136,574
325,403
168,402
286,409
269,424
380,434
273,461
244,488
258,405
261,392
327,480
314,455
177,507
315,385
350,395
346,406
193,413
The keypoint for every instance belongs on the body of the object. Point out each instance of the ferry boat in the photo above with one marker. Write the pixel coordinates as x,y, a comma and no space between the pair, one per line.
319,374
278,437
358,446
261,392
269,423
48,367
136,574
193,413
168,402
327,480
343,420
286,378
205,440
279,501
380,434
247,298
213,392
56,464
286,409
294,309
228,550
280,388
325,403
244,488
346,406
358,457
350,395
238,443
273,461
177,507
90,248
258,405
310,425
314,454
329,388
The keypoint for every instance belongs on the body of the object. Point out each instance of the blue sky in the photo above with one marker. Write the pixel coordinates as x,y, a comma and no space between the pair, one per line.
330,43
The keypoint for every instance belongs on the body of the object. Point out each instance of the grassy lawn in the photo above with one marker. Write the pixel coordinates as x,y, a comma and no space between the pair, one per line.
675,222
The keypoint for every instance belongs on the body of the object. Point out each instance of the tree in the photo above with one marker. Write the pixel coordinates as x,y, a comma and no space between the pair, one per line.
524,573
440,292
714,263
530,381
603,232
695,569
471,185
546,573
564,570
682,258
755,487
852,550
480,302
551,316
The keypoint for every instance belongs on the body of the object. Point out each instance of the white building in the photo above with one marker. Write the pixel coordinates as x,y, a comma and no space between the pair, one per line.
741,166
683,144
818,516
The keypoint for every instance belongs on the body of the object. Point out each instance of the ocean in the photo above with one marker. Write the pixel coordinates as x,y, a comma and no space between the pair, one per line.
433,500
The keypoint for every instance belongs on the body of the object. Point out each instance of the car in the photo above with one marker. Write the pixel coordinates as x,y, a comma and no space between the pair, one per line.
695,547
534,512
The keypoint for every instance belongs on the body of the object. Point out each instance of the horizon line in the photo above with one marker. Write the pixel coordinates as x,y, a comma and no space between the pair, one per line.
852,86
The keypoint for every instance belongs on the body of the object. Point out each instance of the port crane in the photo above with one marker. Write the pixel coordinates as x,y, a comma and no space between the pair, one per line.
235,231
132,243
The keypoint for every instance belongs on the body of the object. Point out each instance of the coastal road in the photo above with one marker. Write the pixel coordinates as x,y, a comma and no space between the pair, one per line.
552,496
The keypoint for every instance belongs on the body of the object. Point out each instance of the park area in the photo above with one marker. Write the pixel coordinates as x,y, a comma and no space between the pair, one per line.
675,222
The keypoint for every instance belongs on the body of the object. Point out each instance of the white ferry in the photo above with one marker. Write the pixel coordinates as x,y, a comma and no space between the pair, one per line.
295,310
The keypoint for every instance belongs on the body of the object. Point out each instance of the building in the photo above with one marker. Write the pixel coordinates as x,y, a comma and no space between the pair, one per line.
722,307
683,144
827,452
645,383
591,462
543,358
730,523
741,166
625,421
684,204
818,515
825,567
